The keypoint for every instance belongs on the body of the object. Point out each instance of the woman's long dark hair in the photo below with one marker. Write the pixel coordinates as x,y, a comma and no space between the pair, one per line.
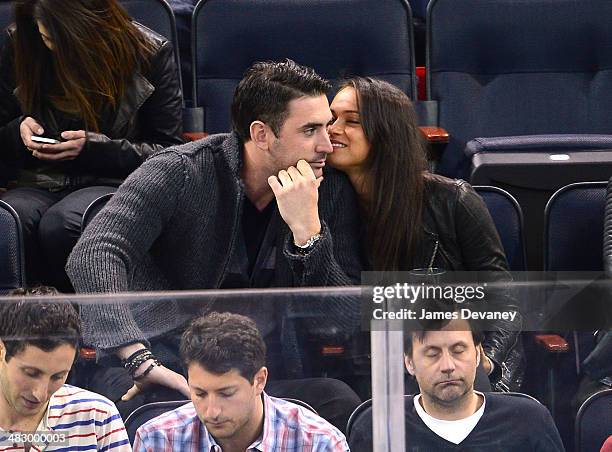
395,169
96,51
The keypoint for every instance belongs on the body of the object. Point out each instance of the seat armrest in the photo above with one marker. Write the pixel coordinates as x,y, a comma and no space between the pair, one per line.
552,343
538,143
194,136
434,134
193,123
87,353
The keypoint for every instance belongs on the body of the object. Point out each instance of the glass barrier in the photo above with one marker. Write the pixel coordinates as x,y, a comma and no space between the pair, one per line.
334,348
530,348
316,352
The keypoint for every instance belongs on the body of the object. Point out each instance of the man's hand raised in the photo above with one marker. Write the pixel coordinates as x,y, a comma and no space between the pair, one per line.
297,196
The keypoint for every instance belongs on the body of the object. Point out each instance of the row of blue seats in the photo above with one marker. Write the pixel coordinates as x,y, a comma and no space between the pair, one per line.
492,71
487,60
572,213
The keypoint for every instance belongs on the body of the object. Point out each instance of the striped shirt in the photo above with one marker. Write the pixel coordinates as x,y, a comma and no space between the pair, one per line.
287,427
78,420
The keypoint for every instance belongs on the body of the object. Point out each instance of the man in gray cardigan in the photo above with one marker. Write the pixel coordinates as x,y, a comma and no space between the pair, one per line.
185,220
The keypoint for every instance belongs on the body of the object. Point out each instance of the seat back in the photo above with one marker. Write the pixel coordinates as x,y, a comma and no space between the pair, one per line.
12,263
505,68
148,411
573,228
301,403
159,17
6,18
356,418
335,37
92,209
607,237
508,219
419,8
594,422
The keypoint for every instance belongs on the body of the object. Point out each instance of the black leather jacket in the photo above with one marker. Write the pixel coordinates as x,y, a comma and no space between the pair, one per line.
459,235
147,119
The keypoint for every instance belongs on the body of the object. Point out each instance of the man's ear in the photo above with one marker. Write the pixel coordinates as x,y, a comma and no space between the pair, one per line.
260,379
409,364
260,134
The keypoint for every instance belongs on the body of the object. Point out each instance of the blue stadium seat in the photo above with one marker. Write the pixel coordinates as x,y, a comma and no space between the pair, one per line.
159,17
505,68
12,270
93,209
6,18
573,231
607,238
336,37
594,422
419,8
508,219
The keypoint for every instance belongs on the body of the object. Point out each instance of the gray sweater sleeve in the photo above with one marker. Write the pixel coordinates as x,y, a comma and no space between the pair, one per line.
335,258
118,240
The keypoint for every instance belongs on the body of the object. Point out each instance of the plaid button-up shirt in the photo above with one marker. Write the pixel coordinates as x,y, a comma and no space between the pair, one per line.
287,427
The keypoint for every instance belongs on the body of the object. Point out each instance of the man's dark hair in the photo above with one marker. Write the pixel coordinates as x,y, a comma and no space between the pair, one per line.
221,342
43,324
417,331
265,91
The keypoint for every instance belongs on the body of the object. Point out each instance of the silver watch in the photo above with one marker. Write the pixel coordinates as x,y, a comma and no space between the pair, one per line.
309,243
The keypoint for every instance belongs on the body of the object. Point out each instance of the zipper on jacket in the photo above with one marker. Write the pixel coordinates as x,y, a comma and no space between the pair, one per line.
433,256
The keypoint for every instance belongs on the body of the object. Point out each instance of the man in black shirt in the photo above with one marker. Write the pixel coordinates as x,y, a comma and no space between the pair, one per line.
448,415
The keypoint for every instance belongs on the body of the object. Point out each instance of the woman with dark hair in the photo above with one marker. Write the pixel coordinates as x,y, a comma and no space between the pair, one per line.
85,96
414,219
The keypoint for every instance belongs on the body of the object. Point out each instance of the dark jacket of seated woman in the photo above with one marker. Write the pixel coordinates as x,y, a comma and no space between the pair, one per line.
147,119
459,235
106,89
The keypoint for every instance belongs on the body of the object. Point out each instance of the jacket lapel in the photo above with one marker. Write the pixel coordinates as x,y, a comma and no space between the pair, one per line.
138,92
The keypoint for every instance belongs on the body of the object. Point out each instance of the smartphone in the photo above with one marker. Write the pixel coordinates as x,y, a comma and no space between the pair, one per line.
46,140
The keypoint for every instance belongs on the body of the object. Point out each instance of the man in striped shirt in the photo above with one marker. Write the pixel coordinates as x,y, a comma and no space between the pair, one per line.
224,355
39,342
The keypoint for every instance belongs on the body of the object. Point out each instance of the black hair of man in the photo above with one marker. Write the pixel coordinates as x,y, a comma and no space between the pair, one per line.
265,91
418,330
41,323
221,342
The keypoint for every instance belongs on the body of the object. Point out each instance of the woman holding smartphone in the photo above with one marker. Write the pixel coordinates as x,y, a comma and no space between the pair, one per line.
414,219
85,96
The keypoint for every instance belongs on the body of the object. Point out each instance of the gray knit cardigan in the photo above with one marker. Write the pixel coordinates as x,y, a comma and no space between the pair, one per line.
173,225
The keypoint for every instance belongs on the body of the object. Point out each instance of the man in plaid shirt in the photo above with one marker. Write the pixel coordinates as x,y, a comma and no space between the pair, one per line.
224,356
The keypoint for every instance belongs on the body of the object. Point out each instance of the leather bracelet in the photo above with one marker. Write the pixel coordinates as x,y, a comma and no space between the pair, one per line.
138,360
134,355
134,365
155,363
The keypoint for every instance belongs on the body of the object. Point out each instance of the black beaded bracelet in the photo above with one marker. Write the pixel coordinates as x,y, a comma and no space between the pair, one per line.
135,364
155,363
125,362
